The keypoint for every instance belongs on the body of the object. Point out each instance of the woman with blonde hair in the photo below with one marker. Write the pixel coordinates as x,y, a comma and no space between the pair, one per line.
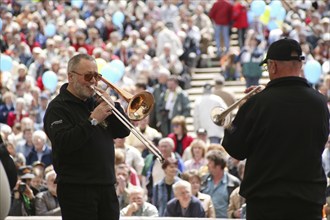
198,149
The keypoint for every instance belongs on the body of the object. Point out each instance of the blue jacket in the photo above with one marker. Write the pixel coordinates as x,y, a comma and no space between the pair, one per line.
159,196
46,156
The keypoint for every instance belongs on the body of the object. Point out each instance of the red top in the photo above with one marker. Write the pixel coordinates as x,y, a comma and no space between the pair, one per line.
221,12
240,16
13,118
88,47
186,141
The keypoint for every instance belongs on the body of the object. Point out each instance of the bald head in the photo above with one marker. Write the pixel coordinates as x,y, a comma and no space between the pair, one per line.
278,68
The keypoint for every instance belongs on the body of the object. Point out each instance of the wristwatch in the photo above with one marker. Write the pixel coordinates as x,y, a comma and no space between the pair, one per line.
93,121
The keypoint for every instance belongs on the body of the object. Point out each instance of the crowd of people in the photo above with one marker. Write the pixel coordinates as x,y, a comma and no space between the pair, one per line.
159,42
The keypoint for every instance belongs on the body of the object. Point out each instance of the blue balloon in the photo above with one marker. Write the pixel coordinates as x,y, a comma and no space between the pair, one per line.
111,74
118,18
258,7
281,14
275,4
50,30
77,3
251,16
272,25
49,79
312,71
118,64
6,62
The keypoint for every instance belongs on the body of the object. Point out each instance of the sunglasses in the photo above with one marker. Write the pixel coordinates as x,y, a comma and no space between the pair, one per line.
89,76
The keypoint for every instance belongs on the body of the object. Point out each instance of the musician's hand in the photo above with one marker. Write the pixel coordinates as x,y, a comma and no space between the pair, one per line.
103,110
247,90
105,95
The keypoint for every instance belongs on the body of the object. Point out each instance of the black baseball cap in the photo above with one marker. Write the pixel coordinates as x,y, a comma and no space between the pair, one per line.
282,50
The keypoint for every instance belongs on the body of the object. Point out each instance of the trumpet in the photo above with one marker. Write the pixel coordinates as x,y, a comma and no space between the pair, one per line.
222,117
139,106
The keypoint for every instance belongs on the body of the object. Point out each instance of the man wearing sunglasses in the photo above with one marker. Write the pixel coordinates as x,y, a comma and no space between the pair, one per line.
81,129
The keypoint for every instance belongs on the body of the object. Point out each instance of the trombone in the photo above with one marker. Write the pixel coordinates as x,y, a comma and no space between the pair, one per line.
222,117
139,106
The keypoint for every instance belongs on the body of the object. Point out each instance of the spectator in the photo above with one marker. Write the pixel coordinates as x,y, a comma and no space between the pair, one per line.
46,202
202,21
198,160
133,70
25,146
202,109
220,90
174,101
251,56
18,114
191,50
41,151
201,134
22,77
41,110
180,134
168,12
221,15
170,60
153,171
135,8
162,191
195,180
184,204
7,106
132,155
236,207
120,158
23,200
123,184
326,158
219,183
147,131
159,88
166,35
79,41
138,206
230,67
124,53
240,20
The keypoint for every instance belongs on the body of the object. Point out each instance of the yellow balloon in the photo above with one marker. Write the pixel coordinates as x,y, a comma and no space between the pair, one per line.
100,63
264,18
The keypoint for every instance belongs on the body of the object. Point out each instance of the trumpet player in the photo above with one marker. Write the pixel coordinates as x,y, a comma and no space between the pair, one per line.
81,130
282,131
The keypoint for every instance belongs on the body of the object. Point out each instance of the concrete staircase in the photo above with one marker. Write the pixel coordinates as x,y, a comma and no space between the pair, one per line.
200,76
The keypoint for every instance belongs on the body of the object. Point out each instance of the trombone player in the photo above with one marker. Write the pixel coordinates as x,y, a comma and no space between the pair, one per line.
282,131
81,130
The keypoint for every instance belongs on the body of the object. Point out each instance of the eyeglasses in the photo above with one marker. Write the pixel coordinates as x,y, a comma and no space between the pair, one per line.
89,76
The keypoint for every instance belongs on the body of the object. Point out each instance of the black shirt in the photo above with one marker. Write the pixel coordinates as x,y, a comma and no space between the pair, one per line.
282,132
82,153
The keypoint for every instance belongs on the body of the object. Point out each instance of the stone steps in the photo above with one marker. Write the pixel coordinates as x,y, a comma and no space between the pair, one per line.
207,74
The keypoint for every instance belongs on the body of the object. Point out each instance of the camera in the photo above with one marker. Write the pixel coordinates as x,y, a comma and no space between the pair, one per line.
22,187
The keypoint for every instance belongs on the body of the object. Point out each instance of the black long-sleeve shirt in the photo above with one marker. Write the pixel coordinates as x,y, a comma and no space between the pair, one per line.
82,153
282,132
